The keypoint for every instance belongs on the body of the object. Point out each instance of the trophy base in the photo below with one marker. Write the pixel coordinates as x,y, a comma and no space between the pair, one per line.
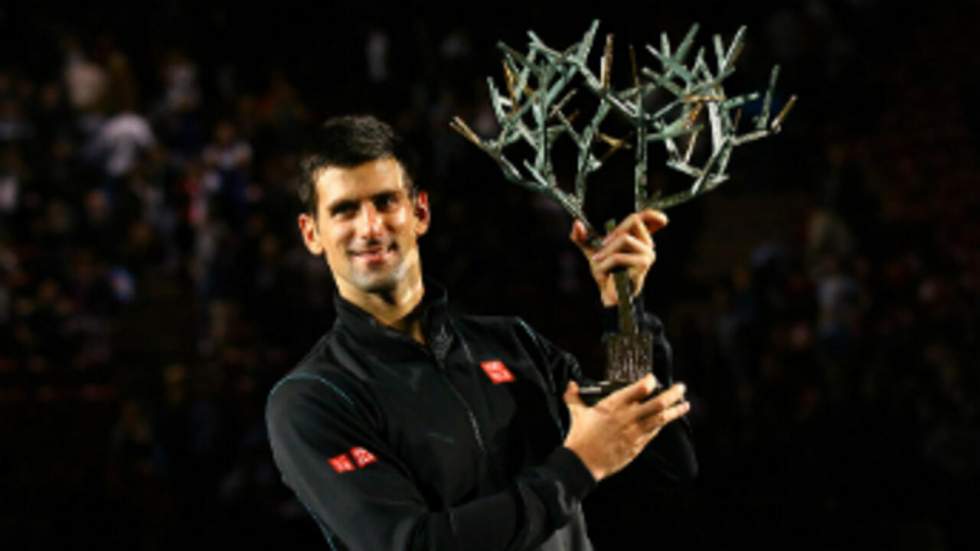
593,394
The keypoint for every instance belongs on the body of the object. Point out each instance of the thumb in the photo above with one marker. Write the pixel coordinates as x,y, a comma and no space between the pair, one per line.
580,236
572,399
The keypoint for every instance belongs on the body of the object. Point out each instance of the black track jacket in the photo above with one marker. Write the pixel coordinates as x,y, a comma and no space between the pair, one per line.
392,445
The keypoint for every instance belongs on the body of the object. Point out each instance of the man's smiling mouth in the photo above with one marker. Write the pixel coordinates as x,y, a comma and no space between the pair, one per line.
374,253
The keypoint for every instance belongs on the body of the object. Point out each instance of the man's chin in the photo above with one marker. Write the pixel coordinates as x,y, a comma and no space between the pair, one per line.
380,279
376,283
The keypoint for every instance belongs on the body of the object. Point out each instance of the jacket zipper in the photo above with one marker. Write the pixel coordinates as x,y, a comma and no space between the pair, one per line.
466,406
469,413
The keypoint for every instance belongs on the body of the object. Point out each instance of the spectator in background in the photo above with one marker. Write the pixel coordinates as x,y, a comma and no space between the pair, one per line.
119,143
228,158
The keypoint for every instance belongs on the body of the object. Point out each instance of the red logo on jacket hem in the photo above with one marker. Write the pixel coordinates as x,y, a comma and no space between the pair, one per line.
341,463
362,457
497,371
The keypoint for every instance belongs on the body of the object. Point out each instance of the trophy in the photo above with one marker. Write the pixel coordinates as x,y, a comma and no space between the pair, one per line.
674,105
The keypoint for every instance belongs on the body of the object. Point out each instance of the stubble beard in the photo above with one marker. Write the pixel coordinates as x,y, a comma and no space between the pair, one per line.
381,283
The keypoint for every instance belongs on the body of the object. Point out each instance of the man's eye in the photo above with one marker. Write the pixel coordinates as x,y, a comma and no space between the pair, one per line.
344,211
384,201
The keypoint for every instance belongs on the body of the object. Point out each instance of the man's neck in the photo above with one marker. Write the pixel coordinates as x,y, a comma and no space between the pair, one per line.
392,308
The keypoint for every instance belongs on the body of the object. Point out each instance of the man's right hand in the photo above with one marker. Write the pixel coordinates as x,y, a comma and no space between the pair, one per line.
610,434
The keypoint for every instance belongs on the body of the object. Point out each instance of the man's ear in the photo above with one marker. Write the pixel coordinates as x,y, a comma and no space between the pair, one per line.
311,237
422,213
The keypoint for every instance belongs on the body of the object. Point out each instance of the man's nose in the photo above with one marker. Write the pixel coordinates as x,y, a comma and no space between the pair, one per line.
369,222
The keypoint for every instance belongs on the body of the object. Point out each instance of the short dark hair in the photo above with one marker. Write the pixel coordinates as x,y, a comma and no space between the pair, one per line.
348,141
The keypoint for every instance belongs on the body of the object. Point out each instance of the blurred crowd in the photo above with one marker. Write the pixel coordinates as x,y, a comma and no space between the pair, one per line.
153,286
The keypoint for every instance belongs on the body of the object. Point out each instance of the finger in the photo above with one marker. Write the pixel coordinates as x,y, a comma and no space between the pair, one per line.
635,224
640,261
623,243
637,227
640,224
654,220
635,392
664,401
660,420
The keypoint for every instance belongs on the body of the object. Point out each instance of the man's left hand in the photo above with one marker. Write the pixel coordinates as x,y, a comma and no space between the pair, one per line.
629,246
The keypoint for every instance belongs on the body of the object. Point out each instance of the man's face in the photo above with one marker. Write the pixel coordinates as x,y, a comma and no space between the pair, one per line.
367,227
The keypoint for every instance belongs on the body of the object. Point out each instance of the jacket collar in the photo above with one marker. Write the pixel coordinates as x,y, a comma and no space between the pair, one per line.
387,343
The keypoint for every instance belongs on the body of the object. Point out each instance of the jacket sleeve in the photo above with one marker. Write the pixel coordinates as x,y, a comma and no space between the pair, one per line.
332,456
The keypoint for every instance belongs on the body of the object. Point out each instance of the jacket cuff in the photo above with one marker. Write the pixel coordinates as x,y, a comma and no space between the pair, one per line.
550,495
554,490
577,478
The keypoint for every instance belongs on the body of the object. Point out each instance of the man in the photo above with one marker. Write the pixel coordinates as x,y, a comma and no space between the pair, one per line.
408,427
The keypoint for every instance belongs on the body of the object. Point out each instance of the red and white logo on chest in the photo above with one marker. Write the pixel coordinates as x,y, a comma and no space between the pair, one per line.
497,371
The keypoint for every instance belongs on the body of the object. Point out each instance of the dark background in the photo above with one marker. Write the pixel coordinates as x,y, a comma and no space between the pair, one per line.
823,305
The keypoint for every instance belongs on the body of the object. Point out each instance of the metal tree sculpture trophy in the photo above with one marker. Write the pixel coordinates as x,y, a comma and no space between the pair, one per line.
541,84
